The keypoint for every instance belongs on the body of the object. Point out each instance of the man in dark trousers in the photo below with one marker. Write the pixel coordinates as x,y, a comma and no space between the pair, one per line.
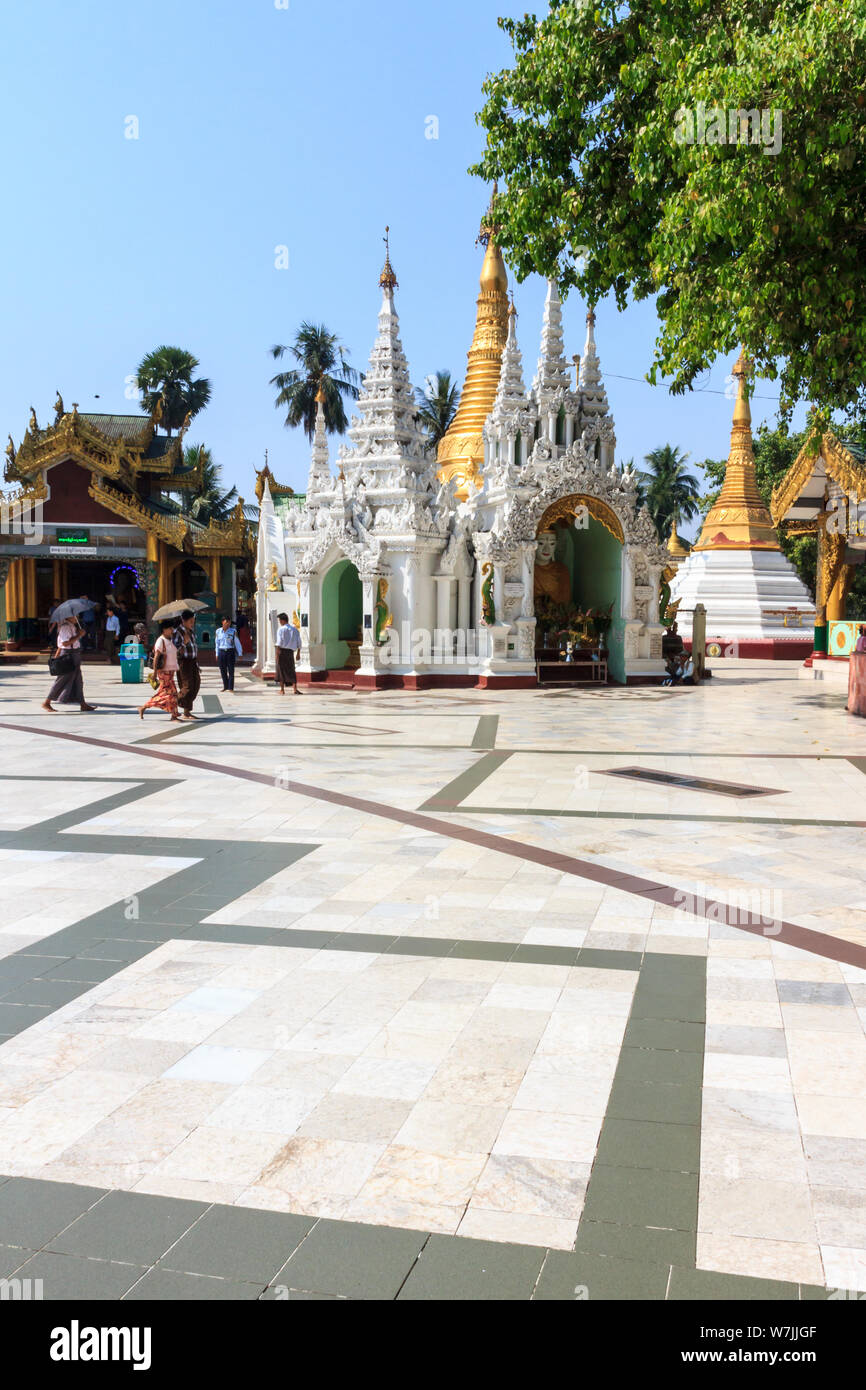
188,673
288,642
227,647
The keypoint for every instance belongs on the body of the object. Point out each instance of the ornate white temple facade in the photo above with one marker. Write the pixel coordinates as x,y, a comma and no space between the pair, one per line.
402,572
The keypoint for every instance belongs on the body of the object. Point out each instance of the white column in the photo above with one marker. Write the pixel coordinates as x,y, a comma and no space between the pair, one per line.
464,603
527,608
443,594
627,593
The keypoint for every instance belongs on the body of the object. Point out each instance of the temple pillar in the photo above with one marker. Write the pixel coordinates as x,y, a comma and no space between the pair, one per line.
831,551
13,592
838,597
29,563
153,583
464,604
627,589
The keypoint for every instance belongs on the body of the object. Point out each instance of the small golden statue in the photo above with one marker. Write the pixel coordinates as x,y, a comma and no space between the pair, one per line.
59,412
34,427
274,578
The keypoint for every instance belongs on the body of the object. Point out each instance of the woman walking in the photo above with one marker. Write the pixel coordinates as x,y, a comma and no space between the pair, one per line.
68,687
188,674
164,668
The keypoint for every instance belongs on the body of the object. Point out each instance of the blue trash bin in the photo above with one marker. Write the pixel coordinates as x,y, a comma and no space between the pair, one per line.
132,663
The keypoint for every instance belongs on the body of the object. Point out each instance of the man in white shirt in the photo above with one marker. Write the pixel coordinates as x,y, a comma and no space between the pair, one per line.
288,640
112,634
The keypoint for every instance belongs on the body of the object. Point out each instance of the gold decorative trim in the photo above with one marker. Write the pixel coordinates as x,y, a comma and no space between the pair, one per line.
222,537
166,528
788,488
74,437
568,507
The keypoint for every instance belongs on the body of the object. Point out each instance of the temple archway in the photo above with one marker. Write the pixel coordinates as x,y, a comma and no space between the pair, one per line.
578,578
342,615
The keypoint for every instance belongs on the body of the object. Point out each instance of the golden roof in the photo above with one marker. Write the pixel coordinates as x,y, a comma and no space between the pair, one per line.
461,449
739,519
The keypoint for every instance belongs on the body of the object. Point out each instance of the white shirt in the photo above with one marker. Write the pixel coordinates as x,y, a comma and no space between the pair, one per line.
112,623
288,636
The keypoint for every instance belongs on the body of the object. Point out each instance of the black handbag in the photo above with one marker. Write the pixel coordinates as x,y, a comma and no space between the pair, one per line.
61,665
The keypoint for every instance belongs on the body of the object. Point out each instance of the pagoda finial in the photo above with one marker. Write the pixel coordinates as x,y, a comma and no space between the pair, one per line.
739,518
388,280
461,448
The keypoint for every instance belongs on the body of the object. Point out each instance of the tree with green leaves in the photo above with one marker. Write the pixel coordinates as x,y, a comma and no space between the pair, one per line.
169,389
775,450
708,153
438,400
668,489
322,364
209,500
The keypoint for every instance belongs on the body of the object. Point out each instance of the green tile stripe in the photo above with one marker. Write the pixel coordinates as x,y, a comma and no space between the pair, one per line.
752,821
451,795
485,734
646,1169
87,1242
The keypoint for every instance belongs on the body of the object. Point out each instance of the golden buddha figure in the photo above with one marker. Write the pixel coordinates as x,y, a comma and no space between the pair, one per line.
552,579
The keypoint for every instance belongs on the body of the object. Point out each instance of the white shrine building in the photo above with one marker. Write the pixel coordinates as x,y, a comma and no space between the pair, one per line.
402,568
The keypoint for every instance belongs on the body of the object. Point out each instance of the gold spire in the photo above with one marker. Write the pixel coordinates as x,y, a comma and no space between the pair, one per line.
320,395
739,520
675,545
461,449
388,280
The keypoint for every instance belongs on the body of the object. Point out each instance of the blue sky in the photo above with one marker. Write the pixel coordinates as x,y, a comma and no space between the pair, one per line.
299,123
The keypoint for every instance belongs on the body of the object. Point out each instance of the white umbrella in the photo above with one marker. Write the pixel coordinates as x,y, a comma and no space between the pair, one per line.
180,605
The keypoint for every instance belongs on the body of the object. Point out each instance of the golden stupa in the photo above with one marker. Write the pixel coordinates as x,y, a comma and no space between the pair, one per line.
675,545
461,449
739,520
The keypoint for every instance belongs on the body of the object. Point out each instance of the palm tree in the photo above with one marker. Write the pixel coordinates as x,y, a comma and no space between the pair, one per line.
438,400
165,377
209,501
321,360
670,490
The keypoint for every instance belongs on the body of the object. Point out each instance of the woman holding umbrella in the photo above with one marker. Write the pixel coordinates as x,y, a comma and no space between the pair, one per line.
68,687
164,668
182,612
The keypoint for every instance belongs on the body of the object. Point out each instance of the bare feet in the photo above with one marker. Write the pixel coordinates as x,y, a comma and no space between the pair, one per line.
141,712
87,707
49,707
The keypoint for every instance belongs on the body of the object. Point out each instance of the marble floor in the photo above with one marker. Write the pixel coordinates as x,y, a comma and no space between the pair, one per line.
420,963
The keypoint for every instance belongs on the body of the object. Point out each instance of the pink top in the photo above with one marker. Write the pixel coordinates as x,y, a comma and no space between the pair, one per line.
67,635
161,645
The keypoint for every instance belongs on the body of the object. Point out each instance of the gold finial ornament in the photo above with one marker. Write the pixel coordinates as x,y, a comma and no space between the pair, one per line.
388,280
739,519
320,394
461,449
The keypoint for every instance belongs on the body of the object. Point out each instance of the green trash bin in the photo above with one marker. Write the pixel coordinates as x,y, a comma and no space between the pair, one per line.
132,663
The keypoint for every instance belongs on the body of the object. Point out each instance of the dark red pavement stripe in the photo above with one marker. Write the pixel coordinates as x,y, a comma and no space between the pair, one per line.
829,947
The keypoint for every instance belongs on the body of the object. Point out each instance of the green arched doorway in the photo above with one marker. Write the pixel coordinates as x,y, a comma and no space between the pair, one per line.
342,613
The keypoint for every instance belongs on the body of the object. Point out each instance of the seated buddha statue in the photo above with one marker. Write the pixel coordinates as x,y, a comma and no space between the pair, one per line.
552,579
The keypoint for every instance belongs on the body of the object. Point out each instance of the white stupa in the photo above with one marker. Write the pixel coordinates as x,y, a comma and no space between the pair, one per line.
756,603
